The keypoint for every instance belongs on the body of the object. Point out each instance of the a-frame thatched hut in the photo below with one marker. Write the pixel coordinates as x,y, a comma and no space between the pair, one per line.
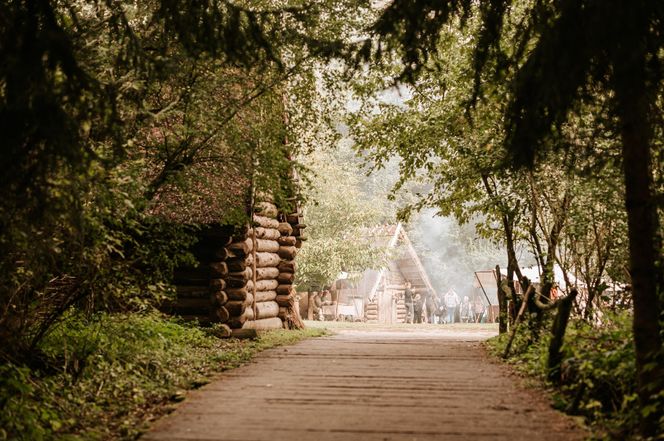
378,295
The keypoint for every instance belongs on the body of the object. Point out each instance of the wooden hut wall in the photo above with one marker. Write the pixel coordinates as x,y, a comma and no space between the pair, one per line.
397,285
202,290
388,306
371,310
264,257
245,275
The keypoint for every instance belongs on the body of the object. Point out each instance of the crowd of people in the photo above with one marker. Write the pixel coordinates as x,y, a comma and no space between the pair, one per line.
422,306
448,308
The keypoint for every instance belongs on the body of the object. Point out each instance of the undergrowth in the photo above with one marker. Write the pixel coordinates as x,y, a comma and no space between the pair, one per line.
598,372
107,376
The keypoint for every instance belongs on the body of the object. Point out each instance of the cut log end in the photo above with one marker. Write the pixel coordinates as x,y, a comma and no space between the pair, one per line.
285,229
244,333
264,324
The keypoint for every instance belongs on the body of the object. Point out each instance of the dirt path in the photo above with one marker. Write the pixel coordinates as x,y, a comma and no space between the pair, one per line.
371,384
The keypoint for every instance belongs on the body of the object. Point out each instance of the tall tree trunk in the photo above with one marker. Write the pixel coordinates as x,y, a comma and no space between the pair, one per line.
512,261
508,215
643,227
502,304
512,267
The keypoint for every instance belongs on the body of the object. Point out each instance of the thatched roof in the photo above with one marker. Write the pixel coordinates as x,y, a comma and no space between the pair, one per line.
406,261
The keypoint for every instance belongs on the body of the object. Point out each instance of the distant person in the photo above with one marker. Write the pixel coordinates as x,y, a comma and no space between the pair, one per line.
466,310
318,306
431,303
418,304
442,310
479,311
408,300
326,297
451,303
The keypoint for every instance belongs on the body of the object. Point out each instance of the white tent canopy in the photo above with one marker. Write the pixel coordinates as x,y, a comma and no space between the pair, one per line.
534,275
486,280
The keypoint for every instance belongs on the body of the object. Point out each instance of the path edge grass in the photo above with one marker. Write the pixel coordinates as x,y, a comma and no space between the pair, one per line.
598,383
109,376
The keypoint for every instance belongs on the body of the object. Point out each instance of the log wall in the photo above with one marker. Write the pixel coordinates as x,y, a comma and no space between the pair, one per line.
245,275
202,291
271,246
390,297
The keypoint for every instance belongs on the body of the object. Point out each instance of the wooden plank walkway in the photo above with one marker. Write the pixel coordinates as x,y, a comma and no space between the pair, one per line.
400,384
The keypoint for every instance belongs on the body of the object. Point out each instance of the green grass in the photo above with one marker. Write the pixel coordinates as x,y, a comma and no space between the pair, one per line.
111,375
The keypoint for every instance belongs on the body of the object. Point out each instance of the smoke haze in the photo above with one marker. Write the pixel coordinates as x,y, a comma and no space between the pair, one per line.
451,253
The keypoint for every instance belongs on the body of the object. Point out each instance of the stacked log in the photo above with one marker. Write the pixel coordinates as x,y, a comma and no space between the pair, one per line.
253,280
274,252
240,280
245,275
201,290
401,310
289,311
371,312
264,324
289,245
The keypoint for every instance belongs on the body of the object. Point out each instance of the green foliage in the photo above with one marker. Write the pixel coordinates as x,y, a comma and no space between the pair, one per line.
126,122
514,44
598,372
457,156
111,374
339,217
22,413
546,67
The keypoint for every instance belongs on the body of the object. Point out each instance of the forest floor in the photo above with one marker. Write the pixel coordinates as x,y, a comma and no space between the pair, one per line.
371,382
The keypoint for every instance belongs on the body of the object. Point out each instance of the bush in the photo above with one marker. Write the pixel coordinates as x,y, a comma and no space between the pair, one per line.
598,371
